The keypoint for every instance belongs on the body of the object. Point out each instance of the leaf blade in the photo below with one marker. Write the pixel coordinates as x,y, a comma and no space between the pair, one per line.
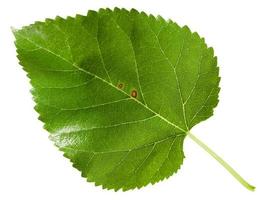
119,83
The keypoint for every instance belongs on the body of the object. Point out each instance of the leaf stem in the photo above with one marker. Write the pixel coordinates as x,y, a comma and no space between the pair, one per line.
222,162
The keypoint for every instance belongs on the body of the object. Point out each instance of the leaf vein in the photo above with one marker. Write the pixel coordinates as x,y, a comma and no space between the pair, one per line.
195,115
105,127
124,150
174,69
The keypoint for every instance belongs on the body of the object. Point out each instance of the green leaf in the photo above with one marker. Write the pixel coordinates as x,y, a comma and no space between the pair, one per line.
119,91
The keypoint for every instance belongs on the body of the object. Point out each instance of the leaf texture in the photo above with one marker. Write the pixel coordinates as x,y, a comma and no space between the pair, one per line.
118,91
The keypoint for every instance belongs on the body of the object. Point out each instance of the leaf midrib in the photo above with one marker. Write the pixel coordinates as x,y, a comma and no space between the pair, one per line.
101,79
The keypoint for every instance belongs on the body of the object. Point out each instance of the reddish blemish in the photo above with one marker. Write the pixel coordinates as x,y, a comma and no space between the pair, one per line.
134,93
120,85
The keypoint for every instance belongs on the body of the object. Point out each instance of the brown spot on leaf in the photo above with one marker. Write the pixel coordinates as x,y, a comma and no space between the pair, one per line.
120,85
134,93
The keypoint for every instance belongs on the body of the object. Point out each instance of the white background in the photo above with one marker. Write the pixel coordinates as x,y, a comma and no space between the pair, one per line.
32,168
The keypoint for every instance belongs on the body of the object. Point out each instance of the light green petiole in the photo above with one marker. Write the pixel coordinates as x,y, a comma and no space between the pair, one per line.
222,162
